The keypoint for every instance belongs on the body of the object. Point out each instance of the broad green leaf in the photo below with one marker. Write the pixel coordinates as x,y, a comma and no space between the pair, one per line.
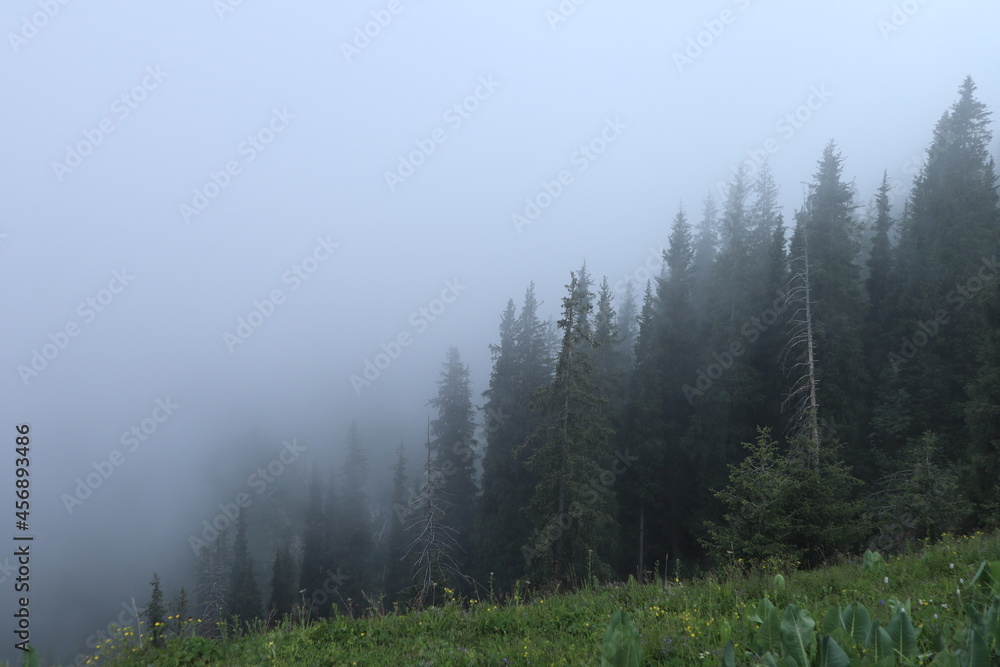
761,611
878,643
857,621
830,653
979,652
768,659
797,634
904,637
833,619
987,578
31,658
945,659
991,622
846,641
768,637
621,646
873,561
729,655
973,619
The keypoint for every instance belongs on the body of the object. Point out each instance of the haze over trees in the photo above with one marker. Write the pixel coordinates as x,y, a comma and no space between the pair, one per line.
777,391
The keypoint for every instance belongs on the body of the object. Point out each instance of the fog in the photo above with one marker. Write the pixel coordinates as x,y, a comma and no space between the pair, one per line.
217,213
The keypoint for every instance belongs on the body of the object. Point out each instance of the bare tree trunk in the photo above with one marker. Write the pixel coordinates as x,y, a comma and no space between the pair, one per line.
803,394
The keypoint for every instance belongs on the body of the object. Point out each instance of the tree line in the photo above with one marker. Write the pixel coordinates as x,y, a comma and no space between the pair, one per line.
791,391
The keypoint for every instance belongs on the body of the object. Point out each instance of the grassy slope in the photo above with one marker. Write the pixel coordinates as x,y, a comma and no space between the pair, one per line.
681,623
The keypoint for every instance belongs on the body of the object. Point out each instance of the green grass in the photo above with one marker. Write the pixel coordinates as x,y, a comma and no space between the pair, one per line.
680,622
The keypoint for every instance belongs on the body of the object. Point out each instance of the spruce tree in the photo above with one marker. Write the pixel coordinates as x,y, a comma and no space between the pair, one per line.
352,548
245,600
282,583
607,365
705,247
570,514
627,324
454,452
521,365
395,570
155,613
950,232
838,311
181,614
982,414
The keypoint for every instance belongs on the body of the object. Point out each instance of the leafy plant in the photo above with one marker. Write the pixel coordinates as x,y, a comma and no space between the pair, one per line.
621,647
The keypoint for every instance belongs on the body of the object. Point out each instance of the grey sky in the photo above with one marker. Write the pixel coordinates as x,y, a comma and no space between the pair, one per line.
208,86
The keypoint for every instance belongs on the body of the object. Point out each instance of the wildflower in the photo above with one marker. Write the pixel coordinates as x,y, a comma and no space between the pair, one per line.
951,566
885,580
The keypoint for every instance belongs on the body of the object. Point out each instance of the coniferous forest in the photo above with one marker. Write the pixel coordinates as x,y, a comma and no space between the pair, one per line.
784,389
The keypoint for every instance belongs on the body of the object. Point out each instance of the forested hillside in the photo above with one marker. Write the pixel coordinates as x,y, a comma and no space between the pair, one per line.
790,389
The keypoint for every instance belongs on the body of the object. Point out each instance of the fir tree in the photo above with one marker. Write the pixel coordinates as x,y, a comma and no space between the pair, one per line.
950,232
282,583
705,247
396,568
180,609
155,613
627,324
567,447
245,603
353,546
454,449
838,311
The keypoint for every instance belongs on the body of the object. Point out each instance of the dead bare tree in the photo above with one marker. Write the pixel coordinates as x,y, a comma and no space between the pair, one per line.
802,349
435,543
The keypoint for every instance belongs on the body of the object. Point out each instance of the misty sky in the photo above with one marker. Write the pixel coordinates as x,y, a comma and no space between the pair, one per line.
167,165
